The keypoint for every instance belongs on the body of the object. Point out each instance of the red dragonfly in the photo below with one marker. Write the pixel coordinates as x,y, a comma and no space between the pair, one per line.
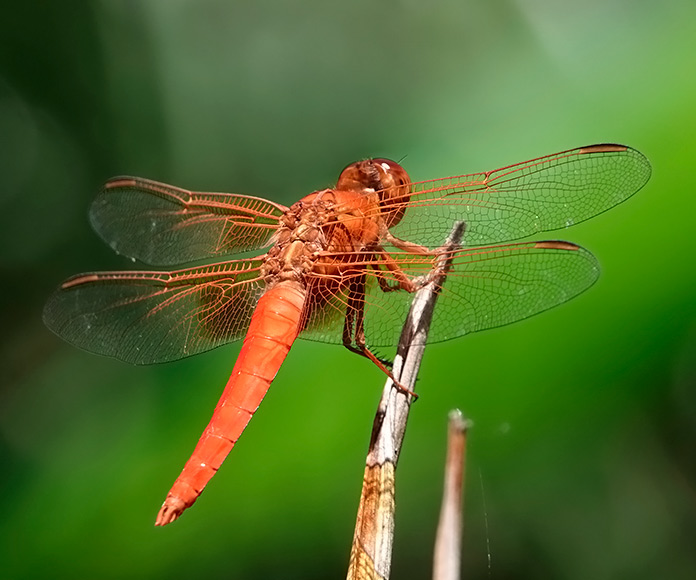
341,266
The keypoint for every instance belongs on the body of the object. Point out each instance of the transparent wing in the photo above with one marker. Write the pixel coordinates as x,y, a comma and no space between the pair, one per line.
164,225
513,202
485,287
152,317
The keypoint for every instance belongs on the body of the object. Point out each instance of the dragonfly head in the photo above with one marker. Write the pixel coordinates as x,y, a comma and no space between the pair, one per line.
385,177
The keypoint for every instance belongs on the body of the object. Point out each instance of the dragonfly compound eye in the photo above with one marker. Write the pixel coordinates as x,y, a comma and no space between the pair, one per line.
395,190
384,176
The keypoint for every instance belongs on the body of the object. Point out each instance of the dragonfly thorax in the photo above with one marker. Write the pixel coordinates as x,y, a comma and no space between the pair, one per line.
297,241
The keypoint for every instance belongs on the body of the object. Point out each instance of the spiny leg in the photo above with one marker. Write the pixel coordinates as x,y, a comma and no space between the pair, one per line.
353,325
354,330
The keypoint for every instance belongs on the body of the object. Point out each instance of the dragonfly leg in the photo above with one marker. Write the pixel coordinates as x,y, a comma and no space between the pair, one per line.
384,284
353,325
355,311
354,331
403,282
367,353
413,284
407,246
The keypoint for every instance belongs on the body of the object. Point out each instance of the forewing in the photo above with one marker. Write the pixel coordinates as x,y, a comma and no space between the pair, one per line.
152,317
164,225
485,287
513,202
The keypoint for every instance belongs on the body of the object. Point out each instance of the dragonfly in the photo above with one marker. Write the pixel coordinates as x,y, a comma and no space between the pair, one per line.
340,266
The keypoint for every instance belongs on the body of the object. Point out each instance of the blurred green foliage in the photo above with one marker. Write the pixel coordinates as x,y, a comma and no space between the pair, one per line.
581,460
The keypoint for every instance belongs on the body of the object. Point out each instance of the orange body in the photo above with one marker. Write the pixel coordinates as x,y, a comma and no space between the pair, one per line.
274,327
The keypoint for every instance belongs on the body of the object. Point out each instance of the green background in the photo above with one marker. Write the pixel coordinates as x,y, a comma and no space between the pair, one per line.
581,461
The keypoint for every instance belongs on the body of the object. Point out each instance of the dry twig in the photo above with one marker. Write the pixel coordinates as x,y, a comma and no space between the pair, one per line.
448,542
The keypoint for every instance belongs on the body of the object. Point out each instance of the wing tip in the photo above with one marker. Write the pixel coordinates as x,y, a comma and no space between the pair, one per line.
120,181
641,164
612,148
557,245
604,148
78,280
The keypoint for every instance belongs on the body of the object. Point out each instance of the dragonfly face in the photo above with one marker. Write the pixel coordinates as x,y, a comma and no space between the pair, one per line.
384,176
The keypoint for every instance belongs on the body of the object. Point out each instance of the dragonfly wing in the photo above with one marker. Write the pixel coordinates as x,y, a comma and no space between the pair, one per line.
327,300
164,225
486,287
152,317
544,194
